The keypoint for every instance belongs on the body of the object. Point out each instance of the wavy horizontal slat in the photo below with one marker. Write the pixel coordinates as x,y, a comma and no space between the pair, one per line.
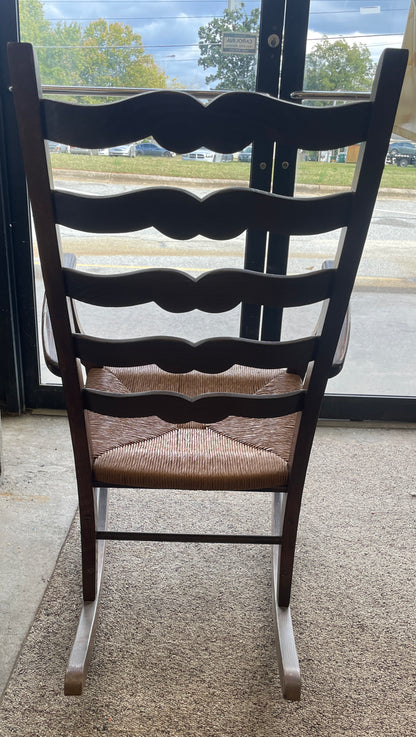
174,407
181,123
177,355
215,291
180,214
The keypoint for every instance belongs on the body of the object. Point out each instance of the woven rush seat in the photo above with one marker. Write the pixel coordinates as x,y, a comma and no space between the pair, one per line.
236,453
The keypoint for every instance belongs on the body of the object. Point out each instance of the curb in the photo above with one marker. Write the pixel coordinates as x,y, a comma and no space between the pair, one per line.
90,176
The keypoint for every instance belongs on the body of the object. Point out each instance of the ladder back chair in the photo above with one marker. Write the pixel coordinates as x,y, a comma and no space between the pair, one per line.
224,413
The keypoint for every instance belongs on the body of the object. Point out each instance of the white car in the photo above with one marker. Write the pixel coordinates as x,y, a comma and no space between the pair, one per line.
201,154
204,154
126,149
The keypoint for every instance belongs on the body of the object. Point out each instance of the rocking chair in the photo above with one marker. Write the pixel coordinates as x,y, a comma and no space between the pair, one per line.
225,413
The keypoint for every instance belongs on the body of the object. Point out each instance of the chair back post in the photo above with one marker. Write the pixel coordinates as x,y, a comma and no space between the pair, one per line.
27,98
384,100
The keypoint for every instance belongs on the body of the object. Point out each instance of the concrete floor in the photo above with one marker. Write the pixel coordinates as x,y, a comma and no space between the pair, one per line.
38,502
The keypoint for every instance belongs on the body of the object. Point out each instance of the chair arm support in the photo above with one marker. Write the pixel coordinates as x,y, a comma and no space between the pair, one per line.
342,347
48,341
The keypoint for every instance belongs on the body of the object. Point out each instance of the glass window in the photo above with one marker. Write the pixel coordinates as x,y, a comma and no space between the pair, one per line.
182,46
345,41
169,46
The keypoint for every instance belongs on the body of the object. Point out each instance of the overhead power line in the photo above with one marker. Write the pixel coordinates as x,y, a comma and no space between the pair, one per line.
203,17
356,12
146,2
103,47
188,46
147,17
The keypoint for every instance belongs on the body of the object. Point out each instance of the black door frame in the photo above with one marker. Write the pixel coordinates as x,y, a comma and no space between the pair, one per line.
19,373
20,386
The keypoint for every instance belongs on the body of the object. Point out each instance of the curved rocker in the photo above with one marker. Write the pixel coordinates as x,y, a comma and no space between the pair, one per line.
84,639
289,669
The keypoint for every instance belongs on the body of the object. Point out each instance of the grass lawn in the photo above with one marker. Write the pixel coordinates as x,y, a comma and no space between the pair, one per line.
308,172
145,165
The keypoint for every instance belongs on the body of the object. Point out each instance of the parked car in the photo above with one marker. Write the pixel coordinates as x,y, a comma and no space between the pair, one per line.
152,149
204,154
223,157
81,151
402,147
401,153
245,154
126,149
200,154
58,148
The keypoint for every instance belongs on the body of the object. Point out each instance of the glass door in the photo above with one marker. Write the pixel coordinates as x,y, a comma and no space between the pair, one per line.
204,47
344,44
202,50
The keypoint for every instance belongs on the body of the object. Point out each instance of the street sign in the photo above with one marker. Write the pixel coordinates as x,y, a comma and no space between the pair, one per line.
239,43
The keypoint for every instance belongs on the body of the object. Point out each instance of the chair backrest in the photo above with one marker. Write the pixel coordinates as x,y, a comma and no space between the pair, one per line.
181,124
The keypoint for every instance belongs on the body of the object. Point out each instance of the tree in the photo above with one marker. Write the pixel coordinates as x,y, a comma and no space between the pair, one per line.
35,29
59,61
113,55
338,65
234,71
101,54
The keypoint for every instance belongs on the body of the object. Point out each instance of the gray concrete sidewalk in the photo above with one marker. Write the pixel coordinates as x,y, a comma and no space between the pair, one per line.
38,500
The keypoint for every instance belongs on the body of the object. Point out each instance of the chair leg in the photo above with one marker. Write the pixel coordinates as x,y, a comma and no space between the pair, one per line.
290,520
286,648
84,639
88,511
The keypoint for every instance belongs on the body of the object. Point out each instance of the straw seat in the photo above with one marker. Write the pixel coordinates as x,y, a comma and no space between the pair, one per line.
235,453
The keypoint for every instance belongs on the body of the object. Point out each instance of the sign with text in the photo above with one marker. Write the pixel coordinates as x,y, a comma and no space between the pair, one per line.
239,43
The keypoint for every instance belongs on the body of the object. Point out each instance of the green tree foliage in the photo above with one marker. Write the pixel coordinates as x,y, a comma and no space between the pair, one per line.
330,66
233,71
36,29
113,55
337,65
58,60
99,55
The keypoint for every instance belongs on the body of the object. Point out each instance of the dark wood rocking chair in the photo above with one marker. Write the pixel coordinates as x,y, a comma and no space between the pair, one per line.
223,413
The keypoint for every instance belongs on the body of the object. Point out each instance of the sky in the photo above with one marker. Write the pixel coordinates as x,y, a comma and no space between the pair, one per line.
169,28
